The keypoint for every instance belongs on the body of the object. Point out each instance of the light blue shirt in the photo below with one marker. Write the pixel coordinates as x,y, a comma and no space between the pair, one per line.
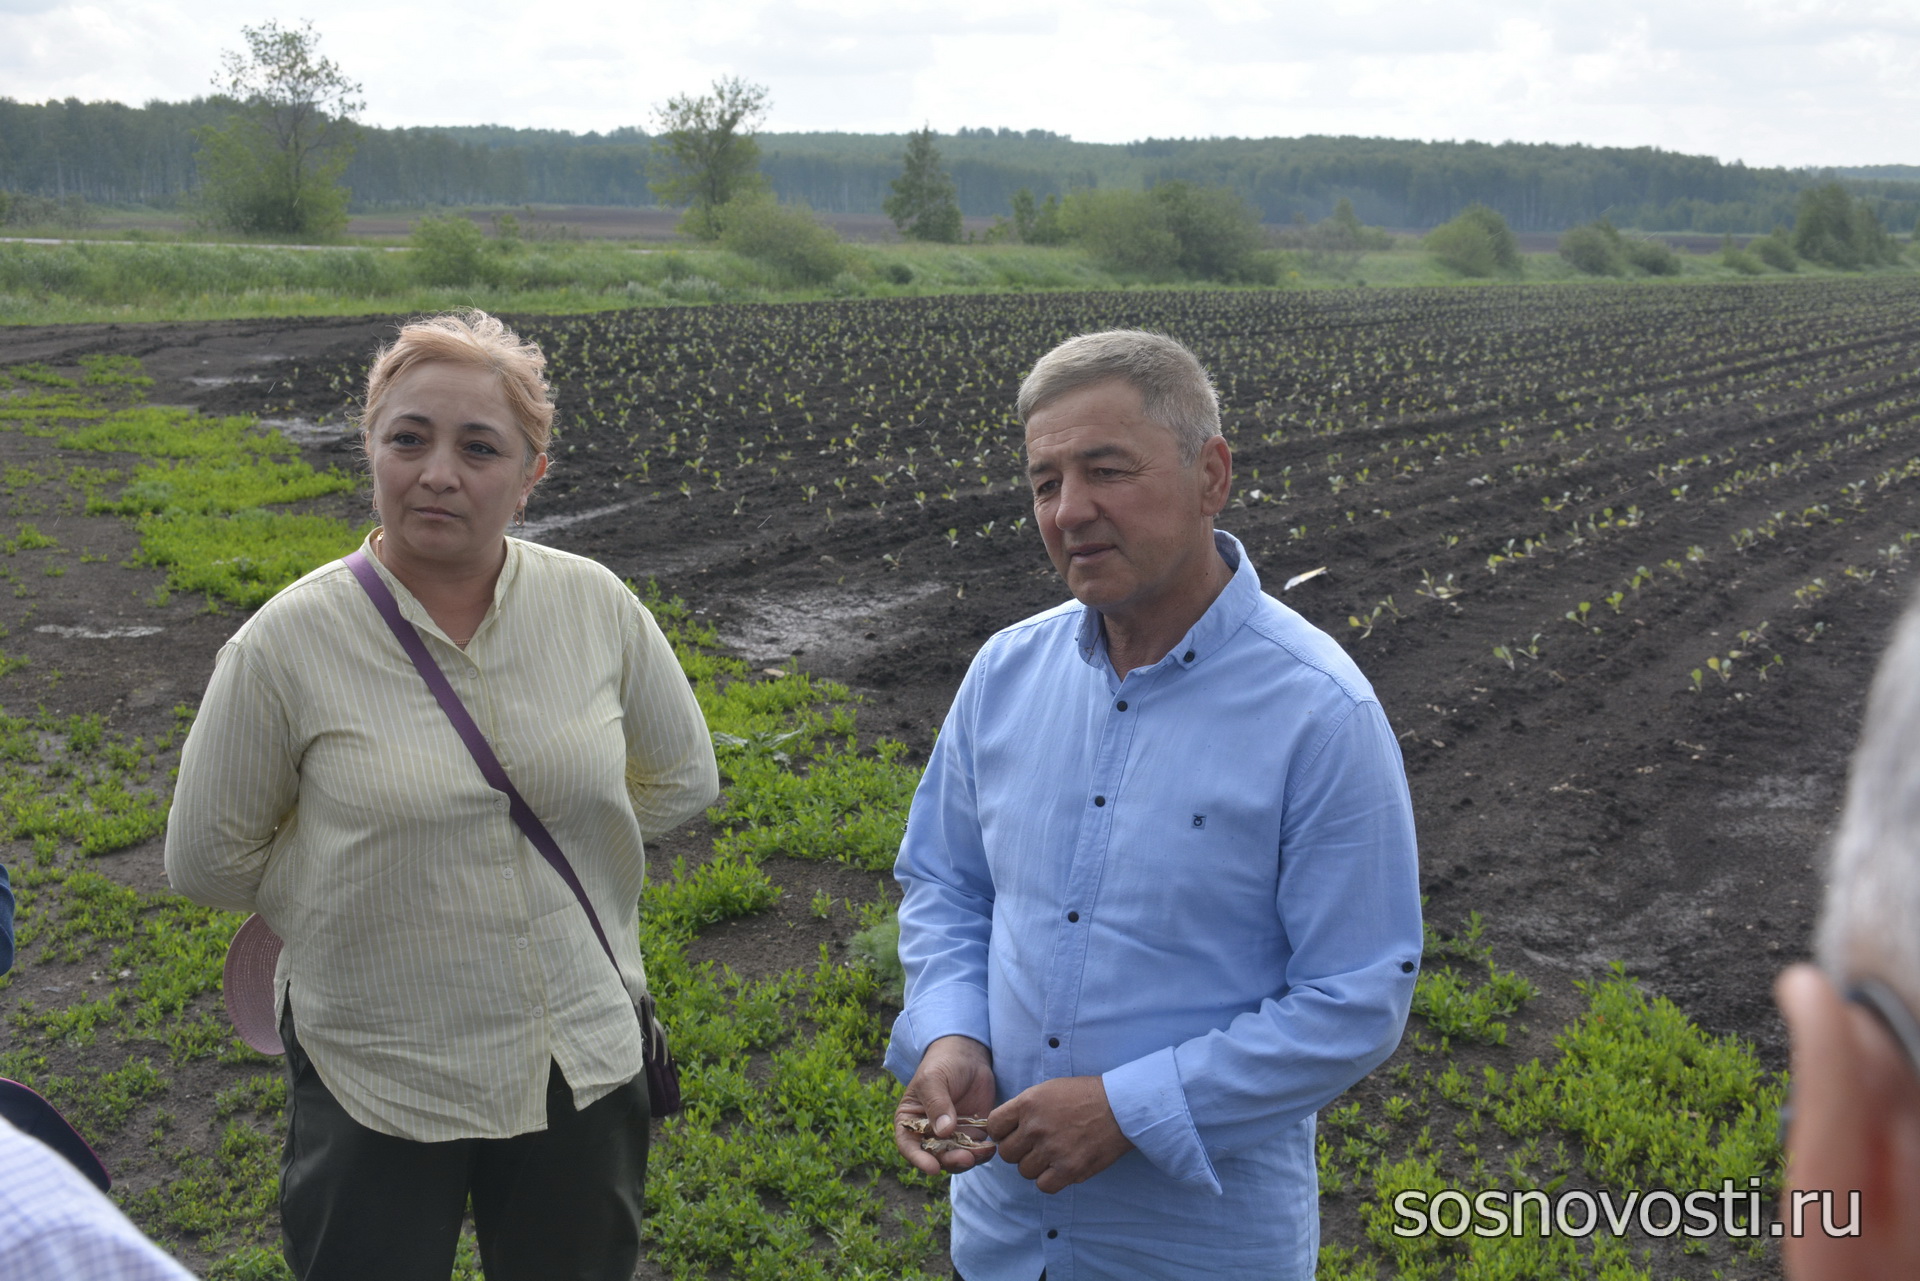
1199,883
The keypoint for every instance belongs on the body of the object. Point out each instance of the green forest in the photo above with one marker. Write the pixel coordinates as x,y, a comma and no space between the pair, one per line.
112,154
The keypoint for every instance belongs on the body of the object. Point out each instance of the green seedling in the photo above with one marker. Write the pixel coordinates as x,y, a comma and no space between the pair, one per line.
1578,617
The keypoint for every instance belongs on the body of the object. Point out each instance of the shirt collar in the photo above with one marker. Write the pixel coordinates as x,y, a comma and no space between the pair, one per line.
416,613
1222,619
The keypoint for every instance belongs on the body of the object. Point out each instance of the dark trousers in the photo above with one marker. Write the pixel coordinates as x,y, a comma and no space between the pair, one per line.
561,1204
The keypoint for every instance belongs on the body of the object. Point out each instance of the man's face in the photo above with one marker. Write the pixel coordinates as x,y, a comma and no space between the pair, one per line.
1127,524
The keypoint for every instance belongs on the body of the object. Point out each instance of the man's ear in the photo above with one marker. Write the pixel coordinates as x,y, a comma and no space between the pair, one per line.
1856,1127
1216,471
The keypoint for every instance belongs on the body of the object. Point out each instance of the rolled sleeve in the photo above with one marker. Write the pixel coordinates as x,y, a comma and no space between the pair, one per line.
238,783
1150,1105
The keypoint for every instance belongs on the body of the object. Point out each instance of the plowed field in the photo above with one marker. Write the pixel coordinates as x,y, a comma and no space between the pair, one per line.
1618,560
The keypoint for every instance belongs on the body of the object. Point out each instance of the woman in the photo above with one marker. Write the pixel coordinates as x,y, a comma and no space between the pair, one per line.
452,1024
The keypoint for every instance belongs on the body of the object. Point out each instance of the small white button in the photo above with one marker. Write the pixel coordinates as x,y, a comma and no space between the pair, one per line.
506,874
535,1010
519,942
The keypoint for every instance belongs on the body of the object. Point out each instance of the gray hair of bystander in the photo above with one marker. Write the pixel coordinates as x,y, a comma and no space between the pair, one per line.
1174,388
1870,923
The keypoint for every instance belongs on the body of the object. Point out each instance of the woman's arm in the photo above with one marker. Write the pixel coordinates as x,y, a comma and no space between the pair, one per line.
238,781
671,773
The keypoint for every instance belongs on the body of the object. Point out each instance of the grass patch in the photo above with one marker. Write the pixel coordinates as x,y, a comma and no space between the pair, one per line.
210,504
104,281
1633,1098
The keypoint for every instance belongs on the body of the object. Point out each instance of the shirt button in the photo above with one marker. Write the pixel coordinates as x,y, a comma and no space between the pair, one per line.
1073,916
1406,967
1121,705
506,874
1099,800
1187,657
520,942
535,1011
1053,1042
1052,1233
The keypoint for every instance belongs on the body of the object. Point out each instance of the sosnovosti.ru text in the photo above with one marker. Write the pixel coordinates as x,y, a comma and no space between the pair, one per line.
1730,1211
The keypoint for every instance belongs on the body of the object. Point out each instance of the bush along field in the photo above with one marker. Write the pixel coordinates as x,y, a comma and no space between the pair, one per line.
1521,494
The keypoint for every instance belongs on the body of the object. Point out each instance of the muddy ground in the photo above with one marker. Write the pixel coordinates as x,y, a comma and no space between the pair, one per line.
1590,804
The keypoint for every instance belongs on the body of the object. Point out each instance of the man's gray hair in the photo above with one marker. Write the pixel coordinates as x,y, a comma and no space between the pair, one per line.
1174,388
1870,924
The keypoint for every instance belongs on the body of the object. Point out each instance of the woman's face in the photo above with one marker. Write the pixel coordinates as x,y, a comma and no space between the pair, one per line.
449,464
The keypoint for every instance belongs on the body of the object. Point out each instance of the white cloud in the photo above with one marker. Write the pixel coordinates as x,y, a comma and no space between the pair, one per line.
1772,81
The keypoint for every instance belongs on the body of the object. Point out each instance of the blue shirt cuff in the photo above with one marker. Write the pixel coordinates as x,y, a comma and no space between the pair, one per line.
952,1011
1151,1106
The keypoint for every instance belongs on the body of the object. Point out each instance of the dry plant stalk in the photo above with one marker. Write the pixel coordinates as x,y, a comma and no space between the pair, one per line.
961,1140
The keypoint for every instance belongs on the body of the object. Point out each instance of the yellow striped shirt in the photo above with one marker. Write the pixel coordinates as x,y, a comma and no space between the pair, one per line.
434,960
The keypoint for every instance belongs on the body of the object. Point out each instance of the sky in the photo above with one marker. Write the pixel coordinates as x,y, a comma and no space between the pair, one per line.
1770,82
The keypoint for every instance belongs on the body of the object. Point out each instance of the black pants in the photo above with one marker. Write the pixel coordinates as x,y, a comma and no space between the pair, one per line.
560,1204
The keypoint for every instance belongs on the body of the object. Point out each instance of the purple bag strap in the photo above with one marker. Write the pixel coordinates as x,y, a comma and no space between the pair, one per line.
522,814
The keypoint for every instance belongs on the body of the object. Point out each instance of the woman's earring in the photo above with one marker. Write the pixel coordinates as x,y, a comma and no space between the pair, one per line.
520,517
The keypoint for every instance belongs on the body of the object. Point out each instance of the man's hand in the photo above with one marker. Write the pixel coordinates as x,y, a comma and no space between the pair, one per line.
954,1079
1060,1132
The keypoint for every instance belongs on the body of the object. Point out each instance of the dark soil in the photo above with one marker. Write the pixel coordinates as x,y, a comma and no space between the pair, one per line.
1589,802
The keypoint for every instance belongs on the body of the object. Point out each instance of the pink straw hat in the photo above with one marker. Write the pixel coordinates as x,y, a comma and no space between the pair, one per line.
248,985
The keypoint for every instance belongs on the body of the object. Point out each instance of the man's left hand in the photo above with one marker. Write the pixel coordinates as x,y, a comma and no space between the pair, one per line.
1060,1132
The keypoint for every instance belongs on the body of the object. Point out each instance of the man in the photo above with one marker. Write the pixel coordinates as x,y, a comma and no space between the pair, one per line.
1161,902
1856,1044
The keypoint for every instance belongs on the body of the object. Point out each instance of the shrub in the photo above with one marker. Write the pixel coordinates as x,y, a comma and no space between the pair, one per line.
1047,229
73,213
1831,227
1593,249
1123,230
1741,261
1774,250
449,251
1344,230
1215,230
1207,233
1477,242
787,238
1654,257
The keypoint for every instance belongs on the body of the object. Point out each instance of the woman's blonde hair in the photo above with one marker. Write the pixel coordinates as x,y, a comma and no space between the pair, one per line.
476,339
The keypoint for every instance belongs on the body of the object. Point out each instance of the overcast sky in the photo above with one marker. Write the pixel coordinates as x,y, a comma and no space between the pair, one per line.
1771,82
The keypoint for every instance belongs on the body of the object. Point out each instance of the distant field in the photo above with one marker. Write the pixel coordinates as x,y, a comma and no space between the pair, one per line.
629,223
588,222
568,261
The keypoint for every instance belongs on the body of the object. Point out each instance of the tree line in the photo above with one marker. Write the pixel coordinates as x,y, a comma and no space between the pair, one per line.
167,154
